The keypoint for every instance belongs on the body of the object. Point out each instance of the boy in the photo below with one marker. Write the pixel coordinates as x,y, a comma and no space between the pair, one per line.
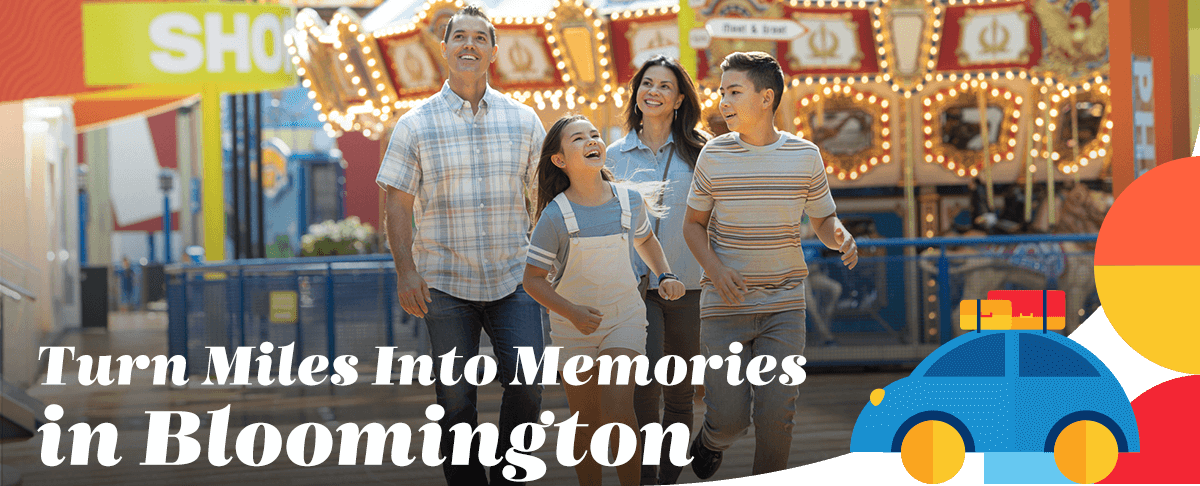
743,224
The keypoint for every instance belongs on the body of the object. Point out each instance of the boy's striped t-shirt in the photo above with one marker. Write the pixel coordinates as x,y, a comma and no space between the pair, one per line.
757,196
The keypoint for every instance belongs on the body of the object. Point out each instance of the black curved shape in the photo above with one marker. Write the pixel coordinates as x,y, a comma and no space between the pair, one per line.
1122,445
968,442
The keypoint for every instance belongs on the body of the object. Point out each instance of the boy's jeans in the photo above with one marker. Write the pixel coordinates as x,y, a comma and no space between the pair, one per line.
773,406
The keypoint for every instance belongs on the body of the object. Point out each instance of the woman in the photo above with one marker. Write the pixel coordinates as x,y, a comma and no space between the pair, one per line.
662,145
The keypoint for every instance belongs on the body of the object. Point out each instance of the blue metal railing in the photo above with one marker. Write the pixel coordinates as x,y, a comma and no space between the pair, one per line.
896,306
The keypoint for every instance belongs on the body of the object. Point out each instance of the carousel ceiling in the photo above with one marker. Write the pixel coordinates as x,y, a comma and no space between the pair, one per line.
963,85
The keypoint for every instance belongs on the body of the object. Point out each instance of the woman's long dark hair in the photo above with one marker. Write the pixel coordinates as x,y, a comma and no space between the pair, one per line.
688,139
551,180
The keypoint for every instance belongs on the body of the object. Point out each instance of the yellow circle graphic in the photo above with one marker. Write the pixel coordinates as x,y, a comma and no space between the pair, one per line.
932,452
1085,452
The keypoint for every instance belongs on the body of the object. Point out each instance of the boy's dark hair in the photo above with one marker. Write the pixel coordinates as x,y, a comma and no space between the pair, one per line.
762,69
470,11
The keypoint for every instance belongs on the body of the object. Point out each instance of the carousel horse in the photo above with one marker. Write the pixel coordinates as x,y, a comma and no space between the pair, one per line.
1067,266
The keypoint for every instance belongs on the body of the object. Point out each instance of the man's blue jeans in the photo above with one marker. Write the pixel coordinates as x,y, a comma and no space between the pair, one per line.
455,324
773,406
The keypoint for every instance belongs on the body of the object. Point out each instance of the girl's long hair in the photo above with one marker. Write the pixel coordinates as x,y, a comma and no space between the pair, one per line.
552,181
688,139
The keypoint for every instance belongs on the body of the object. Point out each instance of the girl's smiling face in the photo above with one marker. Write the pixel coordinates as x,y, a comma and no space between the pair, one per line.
582,149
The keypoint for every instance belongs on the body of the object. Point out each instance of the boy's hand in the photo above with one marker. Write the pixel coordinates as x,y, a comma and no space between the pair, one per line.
586,319
671,289
729,284
847,246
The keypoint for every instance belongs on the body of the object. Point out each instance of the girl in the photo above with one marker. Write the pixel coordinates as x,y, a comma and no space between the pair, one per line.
587,230
662,145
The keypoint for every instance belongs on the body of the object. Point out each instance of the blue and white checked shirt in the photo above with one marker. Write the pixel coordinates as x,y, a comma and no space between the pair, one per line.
468,172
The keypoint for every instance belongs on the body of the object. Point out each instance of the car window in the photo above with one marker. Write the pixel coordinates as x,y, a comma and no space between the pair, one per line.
1043,357
980,357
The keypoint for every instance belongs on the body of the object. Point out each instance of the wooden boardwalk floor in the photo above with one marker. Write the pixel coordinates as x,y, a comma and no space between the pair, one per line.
828,405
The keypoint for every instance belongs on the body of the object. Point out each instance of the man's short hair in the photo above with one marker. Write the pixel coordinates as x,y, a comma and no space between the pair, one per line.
471,11
762,69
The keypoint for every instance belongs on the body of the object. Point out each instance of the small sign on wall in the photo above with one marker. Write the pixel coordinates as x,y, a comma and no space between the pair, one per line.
284,307
1143,115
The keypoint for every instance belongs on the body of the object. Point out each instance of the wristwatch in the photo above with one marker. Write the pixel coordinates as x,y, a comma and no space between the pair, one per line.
667,275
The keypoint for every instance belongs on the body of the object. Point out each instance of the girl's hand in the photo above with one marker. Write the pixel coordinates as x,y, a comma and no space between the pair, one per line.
586,319
671,289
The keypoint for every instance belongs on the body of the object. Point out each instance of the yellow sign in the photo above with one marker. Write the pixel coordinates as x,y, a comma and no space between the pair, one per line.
239,46
284,307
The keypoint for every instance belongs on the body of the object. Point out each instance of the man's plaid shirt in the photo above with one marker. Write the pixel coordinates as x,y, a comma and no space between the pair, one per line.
469,173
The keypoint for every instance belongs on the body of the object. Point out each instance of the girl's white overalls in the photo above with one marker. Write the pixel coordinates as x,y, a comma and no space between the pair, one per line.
599,273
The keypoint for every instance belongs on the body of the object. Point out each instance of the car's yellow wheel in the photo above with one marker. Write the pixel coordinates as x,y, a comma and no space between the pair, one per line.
1085,452
932,451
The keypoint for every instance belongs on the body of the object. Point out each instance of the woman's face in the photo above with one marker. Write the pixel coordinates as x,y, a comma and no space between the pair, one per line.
658,94
582,149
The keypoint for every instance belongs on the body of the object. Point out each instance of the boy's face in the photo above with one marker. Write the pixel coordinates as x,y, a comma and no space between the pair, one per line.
742,105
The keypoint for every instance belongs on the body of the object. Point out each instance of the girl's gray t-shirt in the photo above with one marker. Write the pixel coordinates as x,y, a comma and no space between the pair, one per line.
549,246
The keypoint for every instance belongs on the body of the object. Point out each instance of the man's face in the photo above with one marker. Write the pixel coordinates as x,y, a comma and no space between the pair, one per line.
741,105
469,50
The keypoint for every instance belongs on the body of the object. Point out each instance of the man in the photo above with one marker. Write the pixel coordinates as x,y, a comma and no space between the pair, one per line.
752,186
463,156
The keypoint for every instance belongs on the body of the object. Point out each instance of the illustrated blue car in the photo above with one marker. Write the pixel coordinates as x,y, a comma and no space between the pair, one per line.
1002,391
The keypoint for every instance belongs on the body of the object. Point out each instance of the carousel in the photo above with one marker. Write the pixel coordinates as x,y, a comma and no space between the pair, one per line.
905,98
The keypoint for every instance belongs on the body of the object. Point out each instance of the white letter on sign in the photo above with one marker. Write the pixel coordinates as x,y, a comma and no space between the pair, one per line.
162,32
218,42
272,61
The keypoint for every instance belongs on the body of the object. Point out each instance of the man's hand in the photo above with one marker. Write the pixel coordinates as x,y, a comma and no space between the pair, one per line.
586,319
847,246
671,289
729,284
413,293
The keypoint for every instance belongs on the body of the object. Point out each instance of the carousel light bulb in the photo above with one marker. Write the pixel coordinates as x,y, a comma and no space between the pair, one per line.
884,104
928,116
961,172
950,165
1108,124
1018,100
1083,162
311,95
362,91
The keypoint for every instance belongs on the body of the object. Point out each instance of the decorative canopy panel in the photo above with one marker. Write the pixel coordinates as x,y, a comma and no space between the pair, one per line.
869,82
